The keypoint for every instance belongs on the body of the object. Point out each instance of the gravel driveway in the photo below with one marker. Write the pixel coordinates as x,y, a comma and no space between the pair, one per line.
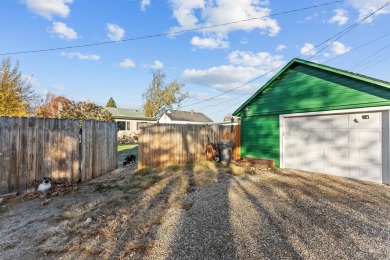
285,215
264,214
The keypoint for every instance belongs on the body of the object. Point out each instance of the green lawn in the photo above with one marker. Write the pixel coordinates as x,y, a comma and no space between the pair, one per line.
125,150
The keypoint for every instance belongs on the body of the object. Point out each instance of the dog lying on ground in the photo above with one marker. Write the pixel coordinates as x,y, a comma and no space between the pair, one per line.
130,159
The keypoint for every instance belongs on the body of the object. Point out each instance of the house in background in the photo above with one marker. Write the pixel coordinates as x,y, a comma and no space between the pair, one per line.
317,118
184,117
129,121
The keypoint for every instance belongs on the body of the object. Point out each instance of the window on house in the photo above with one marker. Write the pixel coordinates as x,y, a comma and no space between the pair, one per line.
128,126
121,125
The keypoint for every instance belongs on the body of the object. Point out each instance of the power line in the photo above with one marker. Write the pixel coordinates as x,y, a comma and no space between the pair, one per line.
169,33
246,83
369,57
225,101
220,110
354,49
381,60
350,28
340,34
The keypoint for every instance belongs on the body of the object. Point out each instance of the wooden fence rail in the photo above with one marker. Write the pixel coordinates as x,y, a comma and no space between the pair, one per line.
31,148
170,144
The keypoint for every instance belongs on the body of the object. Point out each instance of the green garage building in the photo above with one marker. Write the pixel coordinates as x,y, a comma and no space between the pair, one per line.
321,119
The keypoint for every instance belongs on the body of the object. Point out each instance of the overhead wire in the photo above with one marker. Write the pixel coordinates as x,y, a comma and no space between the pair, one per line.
357,48
350,28
369,57
381,60
199,28
338,36
342,34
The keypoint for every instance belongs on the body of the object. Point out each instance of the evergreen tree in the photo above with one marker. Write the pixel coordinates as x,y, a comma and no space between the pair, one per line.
111,103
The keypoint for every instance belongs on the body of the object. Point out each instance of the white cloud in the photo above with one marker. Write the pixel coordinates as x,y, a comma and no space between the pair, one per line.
81,56
194,13
49,8
115,32
127,63
209,43
244,66
63,31
340,17
308,49
222,77
157,65
262,60
144,4
365,7
183,11
281,47
339,48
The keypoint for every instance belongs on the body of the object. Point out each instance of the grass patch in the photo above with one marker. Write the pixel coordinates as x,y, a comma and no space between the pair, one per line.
126,149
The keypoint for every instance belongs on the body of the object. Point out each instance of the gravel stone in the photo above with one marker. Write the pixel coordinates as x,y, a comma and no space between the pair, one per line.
281,215
267,214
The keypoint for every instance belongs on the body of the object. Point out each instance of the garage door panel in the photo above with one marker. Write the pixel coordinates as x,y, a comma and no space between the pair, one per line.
293,137
345,145
314,153
339,169
314,122
370,156
369,138
293,124
315,137
339,121
315,166
293,151
339,138
339,153
370,174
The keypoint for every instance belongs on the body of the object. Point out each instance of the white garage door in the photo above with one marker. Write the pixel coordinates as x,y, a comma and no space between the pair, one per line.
348,145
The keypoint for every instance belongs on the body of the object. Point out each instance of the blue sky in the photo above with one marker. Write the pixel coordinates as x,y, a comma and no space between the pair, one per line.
209,61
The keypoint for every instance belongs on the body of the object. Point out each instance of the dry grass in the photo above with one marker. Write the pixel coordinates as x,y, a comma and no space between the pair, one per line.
142,214
127,210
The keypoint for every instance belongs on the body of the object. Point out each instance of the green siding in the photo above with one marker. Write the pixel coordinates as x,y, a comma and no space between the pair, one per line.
301,88
261,137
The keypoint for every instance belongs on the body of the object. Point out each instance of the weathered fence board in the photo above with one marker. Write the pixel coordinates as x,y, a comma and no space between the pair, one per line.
33,148
99,146
170,144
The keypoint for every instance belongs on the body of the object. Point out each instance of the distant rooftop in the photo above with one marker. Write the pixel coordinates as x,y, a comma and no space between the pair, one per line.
190,116
124,113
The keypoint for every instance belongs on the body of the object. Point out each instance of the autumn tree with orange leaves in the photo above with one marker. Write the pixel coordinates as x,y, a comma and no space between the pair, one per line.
52,104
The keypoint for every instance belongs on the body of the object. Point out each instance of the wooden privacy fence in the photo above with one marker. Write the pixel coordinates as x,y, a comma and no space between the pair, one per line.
33,148
170,144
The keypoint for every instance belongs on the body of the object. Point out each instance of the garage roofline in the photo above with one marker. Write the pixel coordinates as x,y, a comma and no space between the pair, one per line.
378,82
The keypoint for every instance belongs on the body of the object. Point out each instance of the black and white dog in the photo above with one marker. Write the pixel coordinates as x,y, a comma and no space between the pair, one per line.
130,159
